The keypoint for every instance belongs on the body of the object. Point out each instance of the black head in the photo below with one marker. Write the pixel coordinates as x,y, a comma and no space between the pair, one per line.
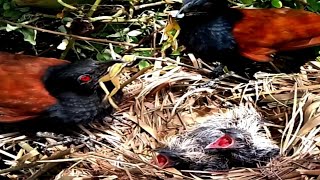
167,158
232,139
240,149
200,6
198,150
80,76
214,149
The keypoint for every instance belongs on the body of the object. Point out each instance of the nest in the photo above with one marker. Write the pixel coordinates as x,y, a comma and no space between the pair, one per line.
165,102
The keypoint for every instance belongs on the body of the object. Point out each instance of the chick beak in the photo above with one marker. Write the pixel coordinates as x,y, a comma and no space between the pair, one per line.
162,161
183,9
224,142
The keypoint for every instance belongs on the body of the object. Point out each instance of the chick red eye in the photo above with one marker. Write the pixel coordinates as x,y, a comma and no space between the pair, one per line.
84,78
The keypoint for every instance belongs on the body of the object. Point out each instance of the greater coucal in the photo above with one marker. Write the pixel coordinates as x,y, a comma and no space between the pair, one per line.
234,139
50,90
216,32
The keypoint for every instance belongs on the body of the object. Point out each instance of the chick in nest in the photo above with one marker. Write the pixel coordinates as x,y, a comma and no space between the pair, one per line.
233,139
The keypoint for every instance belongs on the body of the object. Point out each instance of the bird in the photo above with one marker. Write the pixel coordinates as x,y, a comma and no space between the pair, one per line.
214,31
50,90
226,140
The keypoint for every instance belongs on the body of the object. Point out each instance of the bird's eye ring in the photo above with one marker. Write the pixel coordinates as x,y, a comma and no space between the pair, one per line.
85,78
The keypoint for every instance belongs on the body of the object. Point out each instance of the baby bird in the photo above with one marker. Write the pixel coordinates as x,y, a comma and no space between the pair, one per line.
233,139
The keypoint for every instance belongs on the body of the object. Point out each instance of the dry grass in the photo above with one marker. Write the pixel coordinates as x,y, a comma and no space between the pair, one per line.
162,103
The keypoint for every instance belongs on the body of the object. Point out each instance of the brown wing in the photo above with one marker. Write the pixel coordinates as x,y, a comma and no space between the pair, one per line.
265,31
22,93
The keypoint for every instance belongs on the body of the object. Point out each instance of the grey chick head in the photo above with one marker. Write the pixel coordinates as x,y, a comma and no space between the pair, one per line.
232,139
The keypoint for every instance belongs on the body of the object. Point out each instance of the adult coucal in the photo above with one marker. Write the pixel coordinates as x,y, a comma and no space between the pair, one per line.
234,139
50,90
214,31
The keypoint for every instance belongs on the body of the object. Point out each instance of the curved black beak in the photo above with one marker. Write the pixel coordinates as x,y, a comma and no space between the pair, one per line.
184,8
189,7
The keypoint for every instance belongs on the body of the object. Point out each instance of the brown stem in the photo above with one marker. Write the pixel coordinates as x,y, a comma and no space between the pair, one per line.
69,35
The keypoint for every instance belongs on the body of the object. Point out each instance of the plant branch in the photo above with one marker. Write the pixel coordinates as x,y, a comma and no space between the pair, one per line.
69,35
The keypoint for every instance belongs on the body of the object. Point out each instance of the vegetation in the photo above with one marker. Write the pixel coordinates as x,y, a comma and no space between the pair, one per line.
162,102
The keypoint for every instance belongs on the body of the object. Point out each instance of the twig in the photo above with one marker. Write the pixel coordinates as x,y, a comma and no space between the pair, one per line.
179,101
167,60
142,40
43,170
55,156
7,154
66,5
29,148
72,40
94,8
69,35
149,5
138,160
109,19
128,173
302,88
142,71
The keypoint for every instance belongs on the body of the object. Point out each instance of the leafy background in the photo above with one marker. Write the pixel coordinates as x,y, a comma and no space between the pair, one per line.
132,25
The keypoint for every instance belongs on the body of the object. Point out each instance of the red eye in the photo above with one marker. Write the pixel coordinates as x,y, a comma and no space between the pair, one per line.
84,78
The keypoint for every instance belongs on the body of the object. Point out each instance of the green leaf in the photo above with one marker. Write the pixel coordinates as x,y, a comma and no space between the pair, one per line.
103,57
276,3
6,6
147,53
134,33
247,1
115,35
117,49
62,29
63,45
134,39
13,14
165,46
176,53
67,19
29,35
143,64
24,9
166,68
11,28
314,5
